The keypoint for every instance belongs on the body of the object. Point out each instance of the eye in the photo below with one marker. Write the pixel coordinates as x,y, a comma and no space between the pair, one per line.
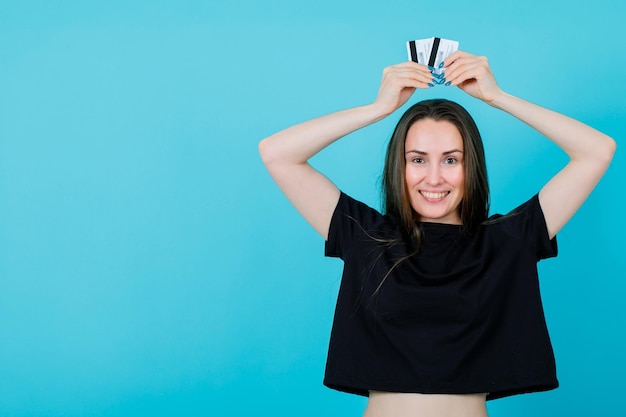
451,160
417,160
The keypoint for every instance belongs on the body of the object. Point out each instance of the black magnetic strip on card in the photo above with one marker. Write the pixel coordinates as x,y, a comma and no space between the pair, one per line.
433,52
413,51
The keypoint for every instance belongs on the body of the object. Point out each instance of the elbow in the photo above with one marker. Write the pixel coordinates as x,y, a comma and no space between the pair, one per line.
609,150
274,153
265,151
601,151
613,147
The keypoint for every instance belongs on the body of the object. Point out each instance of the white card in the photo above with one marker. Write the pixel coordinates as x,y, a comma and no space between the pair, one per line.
431,51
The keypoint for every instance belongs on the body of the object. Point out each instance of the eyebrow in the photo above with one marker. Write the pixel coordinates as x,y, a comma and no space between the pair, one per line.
426,153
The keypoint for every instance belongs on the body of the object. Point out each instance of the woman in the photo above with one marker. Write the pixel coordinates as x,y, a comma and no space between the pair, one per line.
439,307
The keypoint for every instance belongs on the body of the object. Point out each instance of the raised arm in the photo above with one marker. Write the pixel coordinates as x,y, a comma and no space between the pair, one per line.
286,153
589,150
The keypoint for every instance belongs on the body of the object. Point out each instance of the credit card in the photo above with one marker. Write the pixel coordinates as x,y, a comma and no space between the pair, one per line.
431,51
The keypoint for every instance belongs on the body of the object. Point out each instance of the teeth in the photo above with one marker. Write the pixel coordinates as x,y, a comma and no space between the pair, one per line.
433,195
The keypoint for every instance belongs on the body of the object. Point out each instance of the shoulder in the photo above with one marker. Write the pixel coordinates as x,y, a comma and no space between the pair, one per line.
527,225
354,221
348,207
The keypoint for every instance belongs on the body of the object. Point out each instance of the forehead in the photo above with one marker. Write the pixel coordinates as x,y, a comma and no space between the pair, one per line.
433,136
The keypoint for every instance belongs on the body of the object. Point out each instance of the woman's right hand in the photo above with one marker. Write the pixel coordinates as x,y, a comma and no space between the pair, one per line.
398,84
286,153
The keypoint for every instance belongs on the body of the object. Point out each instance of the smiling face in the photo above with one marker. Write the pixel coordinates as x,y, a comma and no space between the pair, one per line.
434,172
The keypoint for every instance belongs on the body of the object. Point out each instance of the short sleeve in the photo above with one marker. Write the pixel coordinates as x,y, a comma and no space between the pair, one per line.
528,224
352,220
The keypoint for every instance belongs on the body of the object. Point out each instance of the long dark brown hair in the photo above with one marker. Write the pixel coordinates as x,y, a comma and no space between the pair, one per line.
474,206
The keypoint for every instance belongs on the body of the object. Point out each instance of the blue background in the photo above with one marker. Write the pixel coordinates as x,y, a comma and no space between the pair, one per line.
148,264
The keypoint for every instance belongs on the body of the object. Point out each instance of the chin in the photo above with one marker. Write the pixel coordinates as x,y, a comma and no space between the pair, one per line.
448,217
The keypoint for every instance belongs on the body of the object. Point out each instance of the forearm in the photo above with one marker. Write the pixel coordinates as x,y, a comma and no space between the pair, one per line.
297,144
580,141
590,153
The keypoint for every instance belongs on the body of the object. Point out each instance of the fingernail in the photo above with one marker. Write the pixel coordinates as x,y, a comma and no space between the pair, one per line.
441,65
431,85
442,80
448,83
431,68
438,75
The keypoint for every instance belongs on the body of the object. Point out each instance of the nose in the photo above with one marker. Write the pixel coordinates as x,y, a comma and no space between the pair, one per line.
433,175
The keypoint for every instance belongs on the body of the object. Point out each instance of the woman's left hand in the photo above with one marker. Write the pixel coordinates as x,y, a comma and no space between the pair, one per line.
471,74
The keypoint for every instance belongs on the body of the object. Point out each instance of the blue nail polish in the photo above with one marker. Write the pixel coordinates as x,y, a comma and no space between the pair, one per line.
438,75
441,65
431,85
448,83
431,68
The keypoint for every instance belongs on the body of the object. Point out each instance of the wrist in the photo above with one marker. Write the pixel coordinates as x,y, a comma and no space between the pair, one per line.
499,100
377,111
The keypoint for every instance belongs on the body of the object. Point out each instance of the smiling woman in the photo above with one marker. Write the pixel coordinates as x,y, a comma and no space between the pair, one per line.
439,307
448,129
434,171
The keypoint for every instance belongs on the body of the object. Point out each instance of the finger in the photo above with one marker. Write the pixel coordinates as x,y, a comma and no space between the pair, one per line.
462,61
411,65
457,61
419,81
463,74
477,66
454,57
408,73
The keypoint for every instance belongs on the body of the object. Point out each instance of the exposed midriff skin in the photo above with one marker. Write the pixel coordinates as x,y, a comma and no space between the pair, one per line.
392,404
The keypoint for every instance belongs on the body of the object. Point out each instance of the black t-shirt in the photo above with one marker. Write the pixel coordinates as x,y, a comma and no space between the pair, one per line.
463,315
